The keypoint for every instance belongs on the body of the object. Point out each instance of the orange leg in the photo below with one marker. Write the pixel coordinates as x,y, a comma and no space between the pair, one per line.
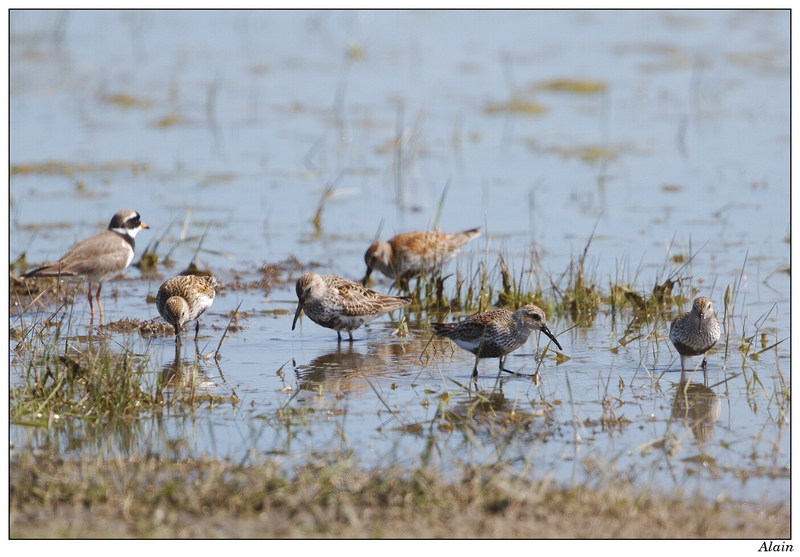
99,286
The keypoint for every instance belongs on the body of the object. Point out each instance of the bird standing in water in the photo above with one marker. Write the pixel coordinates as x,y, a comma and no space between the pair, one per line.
495,333
184,298
695,332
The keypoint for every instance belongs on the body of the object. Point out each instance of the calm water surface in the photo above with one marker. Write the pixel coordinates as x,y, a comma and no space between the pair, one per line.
678,145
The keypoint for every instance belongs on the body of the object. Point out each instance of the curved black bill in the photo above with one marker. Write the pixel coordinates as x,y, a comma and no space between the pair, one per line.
546,331
297,314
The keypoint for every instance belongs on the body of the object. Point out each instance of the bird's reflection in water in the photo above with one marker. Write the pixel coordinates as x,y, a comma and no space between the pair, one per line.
183,373
698,407
342,370
475,403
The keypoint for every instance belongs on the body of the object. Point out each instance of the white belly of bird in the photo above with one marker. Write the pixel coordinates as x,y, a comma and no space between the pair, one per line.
469,345
201,304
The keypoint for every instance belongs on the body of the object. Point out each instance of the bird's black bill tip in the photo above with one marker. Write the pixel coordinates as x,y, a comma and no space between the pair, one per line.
552,337
297,314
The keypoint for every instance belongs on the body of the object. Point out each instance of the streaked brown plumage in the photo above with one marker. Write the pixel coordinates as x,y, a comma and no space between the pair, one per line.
184,298
407,255
339,304
496,333
98,258
695,332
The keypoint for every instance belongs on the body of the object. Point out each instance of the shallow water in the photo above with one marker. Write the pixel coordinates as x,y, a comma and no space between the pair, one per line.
242,119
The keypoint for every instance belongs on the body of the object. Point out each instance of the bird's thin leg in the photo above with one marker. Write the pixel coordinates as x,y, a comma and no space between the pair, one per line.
478,357
339,334
351,335
99,305
196,329
91,307
503,367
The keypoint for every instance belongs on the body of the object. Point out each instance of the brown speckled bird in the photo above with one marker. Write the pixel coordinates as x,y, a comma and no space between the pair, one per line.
495,333
339,304
98,258
695,332
184,298
408,255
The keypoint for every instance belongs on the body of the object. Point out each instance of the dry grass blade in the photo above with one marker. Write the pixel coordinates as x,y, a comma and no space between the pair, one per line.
36,299
439,207
200,245
770,347
225,332
296,392
327,193
388,408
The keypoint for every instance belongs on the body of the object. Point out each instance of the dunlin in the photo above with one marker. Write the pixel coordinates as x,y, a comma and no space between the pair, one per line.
495,333
184,298
694,332
408,255
98,258
340,304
